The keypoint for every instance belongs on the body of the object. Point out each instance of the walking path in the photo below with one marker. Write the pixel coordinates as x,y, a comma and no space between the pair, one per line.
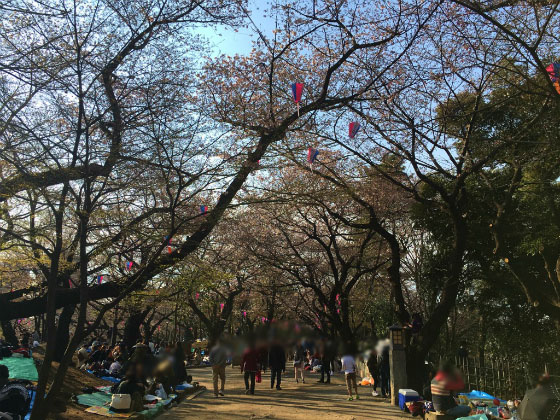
307,401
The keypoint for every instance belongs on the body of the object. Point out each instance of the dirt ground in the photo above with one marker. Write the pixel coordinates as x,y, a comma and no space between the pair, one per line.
294,402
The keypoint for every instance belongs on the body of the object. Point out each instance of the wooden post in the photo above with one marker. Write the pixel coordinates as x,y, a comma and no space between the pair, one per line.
510,385
468,374
476,373
500,378
493,378
484,374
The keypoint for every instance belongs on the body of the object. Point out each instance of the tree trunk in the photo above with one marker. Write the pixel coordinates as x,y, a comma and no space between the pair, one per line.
416,374
63,332
132,328
114,332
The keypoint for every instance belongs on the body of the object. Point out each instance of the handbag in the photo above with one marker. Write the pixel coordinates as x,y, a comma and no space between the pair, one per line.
258,377
121,402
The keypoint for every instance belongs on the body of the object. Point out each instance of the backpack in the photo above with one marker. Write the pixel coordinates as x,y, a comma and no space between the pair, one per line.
14,399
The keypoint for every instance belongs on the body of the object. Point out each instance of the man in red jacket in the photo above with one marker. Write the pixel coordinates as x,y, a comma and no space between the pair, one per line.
250,365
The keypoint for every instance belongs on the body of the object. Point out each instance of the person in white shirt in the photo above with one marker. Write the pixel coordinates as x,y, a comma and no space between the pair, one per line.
349,368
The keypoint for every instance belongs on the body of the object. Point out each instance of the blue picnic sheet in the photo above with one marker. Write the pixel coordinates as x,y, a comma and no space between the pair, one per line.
479,395
32,394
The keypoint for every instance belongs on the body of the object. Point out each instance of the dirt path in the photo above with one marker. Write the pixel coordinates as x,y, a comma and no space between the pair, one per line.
295,402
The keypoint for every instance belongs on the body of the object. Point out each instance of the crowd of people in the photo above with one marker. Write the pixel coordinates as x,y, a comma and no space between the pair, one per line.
322,356
146,368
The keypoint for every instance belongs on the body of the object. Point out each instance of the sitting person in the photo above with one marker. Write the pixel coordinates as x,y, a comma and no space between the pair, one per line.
115,367
98,354
164,374
14,398
134,385
83,355
448,379
179,369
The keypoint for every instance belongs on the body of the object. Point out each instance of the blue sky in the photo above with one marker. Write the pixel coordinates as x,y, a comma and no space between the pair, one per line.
225,40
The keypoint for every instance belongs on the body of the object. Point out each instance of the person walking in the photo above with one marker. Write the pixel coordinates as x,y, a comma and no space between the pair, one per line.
218,359
327,355
384,372
299,362
372,367
249,366
349,368
277,364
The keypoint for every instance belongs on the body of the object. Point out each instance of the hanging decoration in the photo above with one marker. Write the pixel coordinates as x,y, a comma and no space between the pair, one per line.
297,90
203,209
353,129
312,155
221,307
554,74
244,314
129,265
99,279
197,295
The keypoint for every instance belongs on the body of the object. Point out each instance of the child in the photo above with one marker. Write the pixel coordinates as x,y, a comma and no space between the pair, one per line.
349,368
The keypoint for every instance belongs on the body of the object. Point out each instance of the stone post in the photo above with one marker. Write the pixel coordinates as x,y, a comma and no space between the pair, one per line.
397,361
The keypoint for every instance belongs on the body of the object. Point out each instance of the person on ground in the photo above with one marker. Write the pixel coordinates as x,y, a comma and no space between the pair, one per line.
4,375
218,360
115,367
384,371
349,369
447,380
277,364
14,398
326,354
249,366
299,363
373,371
134,386
179,368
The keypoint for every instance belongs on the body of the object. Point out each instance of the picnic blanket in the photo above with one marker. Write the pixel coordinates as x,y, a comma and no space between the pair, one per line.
95,399
479,395
111,379
98,403
152,412
106,412
21,368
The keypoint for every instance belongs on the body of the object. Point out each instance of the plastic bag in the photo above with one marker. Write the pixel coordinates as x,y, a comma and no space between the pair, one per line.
160,392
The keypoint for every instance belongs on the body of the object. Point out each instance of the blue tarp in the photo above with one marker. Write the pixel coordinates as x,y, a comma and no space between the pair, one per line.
479,395
32,394
111,379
